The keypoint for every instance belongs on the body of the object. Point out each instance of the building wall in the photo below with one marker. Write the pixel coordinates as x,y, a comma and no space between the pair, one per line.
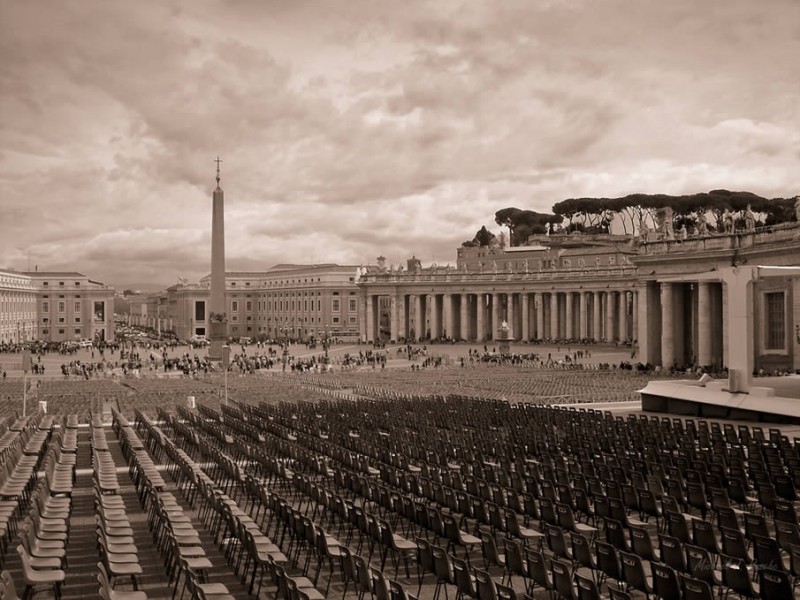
54,307
295,301
17,307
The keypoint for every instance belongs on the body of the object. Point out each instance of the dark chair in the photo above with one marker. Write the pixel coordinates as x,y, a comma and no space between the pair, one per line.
641,543
736,576
607,562
733,544
615,535
665,582
671,552
695,589
515,563
774,584
557,542
562,580
537,571
587,588
677,527
633,573
703,535
767,553
465,582
700,564
582,552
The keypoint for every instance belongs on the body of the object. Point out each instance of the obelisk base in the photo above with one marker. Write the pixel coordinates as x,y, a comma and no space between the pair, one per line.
218,336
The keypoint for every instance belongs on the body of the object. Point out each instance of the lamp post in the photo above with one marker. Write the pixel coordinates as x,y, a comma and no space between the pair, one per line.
226,361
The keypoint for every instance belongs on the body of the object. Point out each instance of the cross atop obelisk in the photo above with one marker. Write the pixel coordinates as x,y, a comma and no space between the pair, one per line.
218,160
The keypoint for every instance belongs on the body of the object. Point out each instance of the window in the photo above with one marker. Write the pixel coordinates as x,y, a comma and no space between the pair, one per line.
353,305
62,306
77,331
235,306
61,331
200,310
76,307
335,306
77,284
46,306
774,321
45,320
45,331
335,319
248,306
77,319
45,284
352,320
61,284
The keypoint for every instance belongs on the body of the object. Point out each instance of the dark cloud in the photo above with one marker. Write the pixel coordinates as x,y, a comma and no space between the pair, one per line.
352,129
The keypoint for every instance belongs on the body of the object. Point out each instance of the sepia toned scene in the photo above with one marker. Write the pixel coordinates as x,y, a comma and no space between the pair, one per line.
400,300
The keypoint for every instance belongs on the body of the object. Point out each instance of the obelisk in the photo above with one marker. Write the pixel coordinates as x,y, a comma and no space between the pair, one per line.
218,320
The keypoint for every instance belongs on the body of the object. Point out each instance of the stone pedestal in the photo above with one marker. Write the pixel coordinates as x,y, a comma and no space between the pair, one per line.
503,339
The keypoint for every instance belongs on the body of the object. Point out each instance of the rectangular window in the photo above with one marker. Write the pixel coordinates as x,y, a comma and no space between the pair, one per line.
77,331
61,331
77,307
335,319
62,306
234,306
200,310
774,321
45,306
77,319
335,306
248,306
353,305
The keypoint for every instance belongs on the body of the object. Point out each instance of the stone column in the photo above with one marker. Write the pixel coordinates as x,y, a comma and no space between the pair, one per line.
667,326
480,301
447,310
465,316
622,304
568,316
415,300
393,325
512,331
526,315
553,315
583,317
363,302
538,307
597,319
370,318
703,323
495,315
435,320
610,307
635,315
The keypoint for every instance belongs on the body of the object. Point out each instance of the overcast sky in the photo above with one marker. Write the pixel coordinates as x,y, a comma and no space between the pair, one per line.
353,128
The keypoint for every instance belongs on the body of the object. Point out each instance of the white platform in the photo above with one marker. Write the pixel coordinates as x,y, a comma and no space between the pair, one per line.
774,399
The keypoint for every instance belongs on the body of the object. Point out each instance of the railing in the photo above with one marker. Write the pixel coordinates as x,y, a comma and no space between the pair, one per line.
501,276
724,241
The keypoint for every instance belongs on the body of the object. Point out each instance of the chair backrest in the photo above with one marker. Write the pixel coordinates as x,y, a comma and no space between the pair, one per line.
607,560
9,589
695,589
461,576
665,581
485,585
562,578
736,576
587,588
775,584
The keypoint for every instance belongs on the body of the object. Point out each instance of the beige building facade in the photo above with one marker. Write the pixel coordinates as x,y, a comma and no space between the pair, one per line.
54,307
297,302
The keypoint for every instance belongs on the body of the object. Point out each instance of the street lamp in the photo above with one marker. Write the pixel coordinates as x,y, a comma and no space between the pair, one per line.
226,361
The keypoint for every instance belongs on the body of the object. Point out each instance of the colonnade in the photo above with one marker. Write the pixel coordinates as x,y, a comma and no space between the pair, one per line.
684,323
603,315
